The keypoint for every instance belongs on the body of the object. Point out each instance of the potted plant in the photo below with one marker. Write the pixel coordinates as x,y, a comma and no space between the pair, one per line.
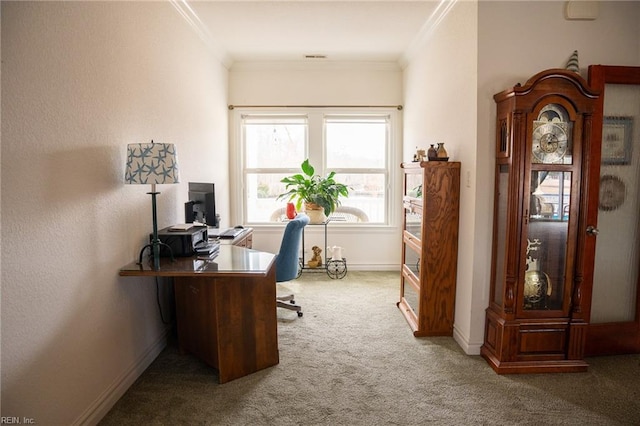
320,195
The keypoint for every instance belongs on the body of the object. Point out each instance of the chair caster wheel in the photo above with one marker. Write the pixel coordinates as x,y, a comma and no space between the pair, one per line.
299,314
293,302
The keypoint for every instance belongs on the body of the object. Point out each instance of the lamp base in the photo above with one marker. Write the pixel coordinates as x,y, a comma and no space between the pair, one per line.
150,246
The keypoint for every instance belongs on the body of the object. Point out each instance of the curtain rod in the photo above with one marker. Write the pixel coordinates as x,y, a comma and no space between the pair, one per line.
232,107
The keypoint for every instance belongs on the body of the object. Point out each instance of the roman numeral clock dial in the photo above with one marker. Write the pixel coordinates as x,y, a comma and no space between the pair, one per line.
549,142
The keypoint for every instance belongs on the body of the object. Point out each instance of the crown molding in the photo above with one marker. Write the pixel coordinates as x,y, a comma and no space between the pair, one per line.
426,31
196,24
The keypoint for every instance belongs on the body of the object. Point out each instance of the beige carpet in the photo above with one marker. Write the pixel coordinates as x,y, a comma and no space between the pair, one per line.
352,360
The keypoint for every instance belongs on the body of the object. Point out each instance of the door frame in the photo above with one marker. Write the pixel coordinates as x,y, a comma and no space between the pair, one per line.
618,337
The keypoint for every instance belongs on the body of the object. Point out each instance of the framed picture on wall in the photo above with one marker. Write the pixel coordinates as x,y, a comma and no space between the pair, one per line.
616,140
612,193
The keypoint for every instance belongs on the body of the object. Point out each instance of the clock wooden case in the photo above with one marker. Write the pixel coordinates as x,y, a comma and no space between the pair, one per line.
537,315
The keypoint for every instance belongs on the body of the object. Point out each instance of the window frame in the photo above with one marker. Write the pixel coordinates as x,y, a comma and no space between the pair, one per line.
317,154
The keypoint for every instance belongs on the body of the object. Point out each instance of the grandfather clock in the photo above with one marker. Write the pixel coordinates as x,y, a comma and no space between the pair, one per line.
539,307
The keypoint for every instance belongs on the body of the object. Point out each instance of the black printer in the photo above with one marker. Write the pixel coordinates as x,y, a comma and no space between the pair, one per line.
183,243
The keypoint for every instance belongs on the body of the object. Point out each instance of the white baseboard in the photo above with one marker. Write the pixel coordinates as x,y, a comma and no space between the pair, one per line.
468,347
378,267
101,406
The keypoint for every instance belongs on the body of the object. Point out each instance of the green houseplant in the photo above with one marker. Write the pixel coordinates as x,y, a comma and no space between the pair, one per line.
315,191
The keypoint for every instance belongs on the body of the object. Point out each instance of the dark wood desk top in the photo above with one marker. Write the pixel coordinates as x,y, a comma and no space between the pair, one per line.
231,260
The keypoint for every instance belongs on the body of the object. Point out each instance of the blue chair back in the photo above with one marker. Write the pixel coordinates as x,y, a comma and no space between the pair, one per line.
287,260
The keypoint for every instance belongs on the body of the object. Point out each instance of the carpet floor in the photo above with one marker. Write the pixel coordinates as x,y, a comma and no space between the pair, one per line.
352,360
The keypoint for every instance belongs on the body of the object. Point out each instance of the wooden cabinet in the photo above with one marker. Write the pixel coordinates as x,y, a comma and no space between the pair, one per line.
243,239
430,246
539,301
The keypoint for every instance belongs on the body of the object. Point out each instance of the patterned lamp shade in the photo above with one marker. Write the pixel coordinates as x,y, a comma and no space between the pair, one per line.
151,163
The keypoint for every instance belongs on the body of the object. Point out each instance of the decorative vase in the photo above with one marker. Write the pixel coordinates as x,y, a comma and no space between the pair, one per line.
442,153
315,213
291,211
432,153
335,252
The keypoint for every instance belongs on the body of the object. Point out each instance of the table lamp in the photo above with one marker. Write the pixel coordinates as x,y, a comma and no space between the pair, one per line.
152,164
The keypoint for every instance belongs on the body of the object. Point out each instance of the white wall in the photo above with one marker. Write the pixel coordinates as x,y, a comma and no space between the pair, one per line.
612,39
326,83
315,83
478,50
81,80
510,50
440,100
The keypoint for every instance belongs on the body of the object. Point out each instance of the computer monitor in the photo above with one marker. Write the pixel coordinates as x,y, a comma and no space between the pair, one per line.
201,206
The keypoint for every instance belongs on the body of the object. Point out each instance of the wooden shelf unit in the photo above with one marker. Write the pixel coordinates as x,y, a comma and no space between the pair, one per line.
430,246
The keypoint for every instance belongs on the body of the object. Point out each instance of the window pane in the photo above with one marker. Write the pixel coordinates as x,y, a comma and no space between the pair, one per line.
356,142
551,196
274,144
367,193
262,191
615,280
356,145
501,234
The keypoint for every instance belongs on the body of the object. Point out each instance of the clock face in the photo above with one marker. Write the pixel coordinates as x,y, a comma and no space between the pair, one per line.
549,142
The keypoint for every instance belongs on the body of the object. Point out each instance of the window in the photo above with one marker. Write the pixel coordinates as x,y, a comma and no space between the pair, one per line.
355,144
356,149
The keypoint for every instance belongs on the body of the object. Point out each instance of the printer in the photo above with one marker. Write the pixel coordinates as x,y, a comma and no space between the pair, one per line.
183,242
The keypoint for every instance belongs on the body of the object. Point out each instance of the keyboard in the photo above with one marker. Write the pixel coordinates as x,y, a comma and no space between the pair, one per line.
230,233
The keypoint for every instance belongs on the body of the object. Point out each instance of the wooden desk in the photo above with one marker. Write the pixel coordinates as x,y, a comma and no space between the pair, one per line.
225,308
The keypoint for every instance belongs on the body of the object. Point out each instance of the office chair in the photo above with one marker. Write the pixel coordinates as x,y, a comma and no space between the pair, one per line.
288,259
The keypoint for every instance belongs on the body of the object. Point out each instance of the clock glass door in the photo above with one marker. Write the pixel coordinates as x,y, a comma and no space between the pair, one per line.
547,269
548,264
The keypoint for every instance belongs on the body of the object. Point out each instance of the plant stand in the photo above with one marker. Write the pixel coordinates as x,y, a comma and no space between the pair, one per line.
336,269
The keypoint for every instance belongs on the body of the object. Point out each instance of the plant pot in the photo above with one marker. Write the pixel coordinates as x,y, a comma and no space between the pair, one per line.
315,213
